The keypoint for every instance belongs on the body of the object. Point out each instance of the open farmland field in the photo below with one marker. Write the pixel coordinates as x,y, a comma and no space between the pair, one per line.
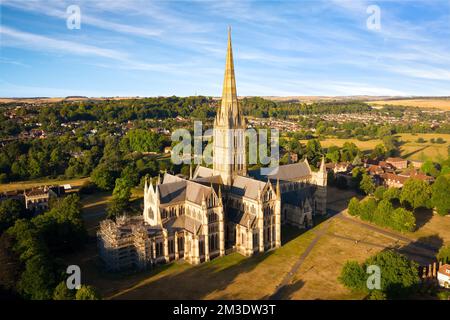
409,148
441,104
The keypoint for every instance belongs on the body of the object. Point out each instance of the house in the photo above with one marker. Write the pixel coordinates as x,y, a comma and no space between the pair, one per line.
443,276
393,180
414,173
37,200
339,167
416,163
397,162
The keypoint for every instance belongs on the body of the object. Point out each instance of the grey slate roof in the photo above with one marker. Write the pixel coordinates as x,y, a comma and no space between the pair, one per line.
287,172
202,172
183,222
247,187
182,190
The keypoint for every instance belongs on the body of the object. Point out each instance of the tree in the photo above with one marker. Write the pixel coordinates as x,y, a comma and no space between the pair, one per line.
378,152
10,266
379,192
37,281
357,174
10,211
428,167
62,227
103,177
440,198
354,207
87,293
313,151
357,161
61,292
377,295
367,208
400,275
145,141
415,192
403,220
444,254
367,185
382,214
122,190
121,198
391,194
333,154
353,276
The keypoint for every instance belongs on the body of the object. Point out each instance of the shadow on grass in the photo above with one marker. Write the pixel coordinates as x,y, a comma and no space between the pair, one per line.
405,156
289,233
196,282
423,215
423,250
286,292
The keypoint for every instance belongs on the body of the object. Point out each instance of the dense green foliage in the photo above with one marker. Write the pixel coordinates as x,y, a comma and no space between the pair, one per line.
145,141
10,211
416,193
61,292
33,247
444,254
440,197
382,213
399,276
367,185
87,293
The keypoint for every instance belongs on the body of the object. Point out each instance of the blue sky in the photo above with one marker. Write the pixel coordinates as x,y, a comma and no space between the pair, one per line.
281,48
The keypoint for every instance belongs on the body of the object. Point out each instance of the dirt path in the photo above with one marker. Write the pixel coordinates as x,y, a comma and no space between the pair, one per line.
277,295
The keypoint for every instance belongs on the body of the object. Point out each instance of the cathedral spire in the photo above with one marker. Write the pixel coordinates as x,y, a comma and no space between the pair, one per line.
229,110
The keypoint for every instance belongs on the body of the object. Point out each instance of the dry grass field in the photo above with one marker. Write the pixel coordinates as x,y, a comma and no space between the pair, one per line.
441,104
329,245
20,185
229,277
409,148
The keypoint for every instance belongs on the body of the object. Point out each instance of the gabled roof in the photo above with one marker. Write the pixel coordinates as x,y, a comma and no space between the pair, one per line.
285,172
36,192
201,172
183,222
172,192
182,190
247,187
168,178
241,218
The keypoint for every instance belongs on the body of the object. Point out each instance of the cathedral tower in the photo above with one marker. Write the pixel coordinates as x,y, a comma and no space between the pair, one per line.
229,126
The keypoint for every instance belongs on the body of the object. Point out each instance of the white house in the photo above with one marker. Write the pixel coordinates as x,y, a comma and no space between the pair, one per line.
444,276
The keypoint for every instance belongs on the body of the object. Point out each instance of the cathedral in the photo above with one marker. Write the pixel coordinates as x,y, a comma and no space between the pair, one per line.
218,210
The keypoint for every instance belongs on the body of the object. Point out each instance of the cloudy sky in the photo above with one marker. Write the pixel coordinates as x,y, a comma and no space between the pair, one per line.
152,48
